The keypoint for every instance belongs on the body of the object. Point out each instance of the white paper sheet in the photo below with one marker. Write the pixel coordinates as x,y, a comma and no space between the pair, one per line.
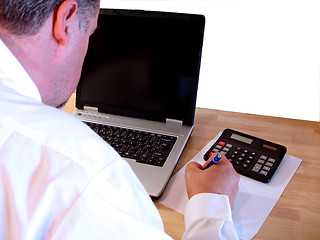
254,201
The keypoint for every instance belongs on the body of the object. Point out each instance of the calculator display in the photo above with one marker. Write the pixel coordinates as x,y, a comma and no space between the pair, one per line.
241,138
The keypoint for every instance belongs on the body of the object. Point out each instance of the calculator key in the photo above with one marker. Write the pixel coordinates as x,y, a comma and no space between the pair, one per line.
239,149
272,160
215,150
236,163
261,161
257,167
247,161
224,152
263,172
240,159
266,168
226,149
233,156
253,154
251,158
269,164
245,165
221,143
263,157
219,147
242,155
245,151
236,152
228,145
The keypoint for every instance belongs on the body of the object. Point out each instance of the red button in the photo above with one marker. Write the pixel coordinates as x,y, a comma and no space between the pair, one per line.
221,143
210,154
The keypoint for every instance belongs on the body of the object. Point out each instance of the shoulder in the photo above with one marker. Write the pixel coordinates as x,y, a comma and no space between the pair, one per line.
53,128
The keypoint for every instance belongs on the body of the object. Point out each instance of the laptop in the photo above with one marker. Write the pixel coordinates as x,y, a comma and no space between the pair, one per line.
139,85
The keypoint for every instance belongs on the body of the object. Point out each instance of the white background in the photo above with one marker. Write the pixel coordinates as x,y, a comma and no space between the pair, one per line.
259,56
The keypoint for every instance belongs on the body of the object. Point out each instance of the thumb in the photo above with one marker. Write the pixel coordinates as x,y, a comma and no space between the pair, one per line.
193,166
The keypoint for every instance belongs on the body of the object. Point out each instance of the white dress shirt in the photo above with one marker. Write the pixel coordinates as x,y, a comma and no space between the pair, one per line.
59,180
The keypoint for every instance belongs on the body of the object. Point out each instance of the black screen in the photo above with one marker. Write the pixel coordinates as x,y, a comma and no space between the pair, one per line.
143,64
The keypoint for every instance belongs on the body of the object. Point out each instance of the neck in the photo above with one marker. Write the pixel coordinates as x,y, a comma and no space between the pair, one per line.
33,55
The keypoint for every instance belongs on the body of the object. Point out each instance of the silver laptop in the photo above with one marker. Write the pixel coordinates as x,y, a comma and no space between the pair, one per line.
138,87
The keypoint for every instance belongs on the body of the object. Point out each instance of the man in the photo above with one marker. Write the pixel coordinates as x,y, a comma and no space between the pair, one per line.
58,179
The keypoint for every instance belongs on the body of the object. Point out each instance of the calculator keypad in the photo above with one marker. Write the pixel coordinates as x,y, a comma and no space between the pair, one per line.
243,158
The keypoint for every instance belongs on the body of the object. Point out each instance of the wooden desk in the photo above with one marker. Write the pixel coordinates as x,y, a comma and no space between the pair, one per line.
297,213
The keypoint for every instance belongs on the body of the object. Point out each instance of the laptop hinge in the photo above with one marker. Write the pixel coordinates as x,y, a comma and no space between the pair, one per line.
90,109
173,121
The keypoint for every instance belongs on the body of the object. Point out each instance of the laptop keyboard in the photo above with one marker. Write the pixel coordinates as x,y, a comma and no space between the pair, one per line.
143,147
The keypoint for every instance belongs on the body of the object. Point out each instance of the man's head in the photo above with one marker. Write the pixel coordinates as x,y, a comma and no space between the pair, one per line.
50,39
26,17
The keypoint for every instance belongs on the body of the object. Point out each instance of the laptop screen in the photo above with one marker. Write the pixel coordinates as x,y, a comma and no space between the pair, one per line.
143,64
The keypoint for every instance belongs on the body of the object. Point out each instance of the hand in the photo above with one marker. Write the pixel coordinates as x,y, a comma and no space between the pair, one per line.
220,178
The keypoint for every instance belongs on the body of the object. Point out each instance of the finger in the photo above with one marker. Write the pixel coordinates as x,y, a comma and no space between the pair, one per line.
210,159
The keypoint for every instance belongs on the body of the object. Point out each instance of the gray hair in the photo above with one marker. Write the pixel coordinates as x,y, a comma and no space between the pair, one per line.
26,17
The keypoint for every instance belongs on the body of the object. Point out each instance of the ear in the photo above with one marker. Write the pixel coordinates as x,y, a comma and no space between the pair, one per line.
63,18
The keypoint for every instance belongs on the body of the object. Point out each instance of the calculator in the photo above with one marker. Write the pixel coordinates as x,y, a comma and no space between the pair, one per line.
250,156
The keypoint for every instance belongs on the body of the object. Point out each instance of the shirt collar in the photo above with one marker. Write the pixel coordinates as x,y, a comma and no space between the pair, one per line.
14,76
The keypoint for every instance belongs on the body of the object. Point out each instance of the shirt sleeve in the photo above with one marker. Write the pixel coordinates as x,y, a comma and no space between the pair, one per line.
208,216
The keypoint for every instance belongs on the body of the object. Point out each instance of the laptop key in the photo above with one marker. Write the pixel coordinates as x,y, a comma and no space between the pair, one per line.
144,147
